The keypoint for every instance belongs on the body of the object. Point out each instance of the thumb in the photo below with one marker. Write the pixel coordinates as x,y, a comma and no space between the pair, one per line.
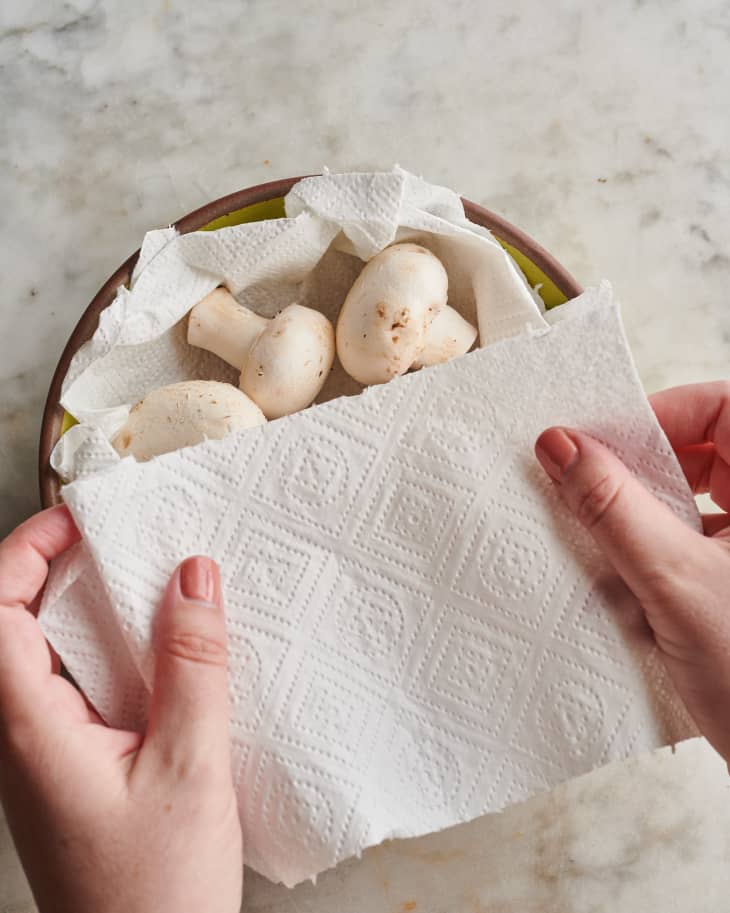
188,718
647,544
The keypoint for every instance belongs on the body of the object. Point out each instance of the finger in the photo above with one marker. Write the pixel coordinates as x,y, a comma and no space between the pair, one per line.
30,691
706,472
25,554
715,523
696,414
719,487
25,667
188,718
696,462
639,535
55,660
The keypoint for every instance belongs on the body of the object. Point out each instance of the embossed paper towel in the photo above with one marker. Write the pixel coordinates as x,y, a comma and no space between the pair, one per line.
419,631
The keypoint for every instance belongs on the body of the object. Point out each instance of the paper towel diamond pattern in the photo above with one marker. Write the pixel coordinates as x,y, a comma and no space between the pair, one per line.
413,638
470,670
329,717
368,414
269,572
431,777
312,481
412,518
507,563
370,621
454,426
602,619
293,807
256,657
577,715
515,781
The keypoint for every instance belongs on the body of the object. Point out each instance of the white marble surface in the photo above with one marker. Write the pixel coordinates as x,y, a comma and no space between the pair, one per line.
602,131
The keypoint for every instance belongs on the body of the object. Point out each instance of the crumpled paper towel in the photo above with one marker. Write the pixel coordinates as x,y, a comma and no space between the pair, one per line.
419,631
140,342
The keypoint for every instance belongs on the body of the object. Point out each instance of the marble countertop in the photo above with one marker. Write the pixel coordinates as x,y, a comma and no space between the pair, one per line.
603,132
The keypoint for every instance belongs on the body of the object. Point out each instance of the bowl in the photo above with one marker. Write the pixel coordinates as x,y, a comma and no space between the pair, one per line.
253,204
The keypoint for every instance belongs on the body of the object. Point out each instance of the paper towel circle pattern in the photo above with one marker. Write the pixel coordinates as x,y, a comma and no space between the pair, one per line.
574,712
173,521
460,419
265,572
371,622
412,519
314,472
513,562
428,771
297,812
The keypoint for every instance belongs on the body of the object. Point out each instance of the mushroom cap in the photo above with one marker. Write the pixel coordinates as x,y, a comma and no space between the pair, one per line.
383,322
183,414
289,362
448,336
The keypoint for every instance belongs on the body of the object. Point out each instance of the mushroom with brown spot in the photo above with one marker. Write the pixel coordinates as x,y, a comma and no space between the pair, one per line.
448,335
396,317
183,414
284,361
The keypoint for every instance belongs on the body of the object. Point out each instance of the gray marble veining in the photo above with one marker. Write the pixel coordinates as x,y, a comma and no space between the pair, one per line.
601,130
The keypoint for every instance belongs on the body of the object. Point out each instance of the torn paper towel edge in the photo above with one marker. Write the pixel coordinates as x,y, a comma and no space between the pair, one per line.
571,310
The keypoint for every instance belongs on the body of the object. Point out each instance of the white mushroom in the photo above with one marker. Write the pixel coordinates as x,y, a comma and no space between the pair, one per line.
284,361
183,414
448,336
290,361
221,325
390,319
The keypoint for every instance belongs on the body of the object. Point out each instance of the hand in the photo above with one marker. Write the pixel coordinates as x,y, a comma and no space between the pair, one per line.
680,577
107,821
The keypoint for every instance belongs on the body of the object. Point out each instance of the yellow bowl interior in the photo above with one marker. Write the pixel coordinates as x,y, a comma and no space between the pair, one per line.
274,209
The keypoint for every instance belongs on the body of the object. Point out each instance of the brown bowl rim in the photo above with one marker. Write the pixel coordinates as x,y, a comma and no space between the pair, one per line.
50,487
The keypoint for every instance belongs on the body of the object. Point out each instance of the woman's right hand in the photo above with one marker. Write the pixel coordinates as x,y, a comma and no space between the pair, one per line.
680,577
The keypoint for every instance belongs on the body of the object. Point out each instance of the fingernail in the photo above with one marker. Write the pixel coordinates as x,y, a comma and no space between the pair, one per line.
199,579
556,452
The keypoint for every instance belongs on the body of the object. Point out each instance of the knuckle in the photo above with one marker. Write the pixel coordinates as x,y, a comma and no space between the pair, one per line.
196,647
682,580
597,501
202,776
18,737
662,585
193,767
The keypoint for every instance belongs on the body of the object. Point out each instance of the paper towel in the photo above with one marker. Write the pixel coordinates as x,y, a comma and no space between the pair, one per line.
140,343
419,631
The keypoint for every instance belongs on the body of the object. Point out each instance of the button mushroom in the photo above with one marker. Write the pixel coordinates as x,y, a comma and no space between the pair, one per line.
183,414
448,336
395,317
284,361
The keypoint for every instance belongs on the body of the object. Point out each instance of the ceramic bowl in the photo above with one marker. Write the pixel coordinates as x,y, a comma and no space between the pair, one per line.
266,201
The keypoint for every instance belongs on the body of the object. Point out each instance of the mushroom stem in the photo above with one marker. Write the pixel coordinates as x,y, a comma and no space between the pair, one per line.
219,324
284,361
448,336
